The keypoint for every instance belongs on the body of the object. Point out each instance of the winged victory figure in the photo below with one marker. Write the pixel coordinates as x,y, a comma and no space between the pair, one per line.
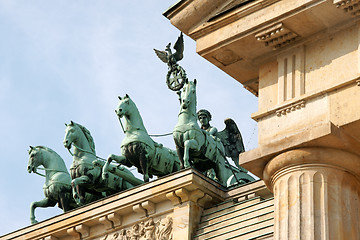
232,141
176,75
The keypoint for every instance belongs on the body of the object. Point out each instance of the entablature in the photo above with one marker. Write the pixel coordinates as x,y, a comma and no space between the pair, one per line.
239,36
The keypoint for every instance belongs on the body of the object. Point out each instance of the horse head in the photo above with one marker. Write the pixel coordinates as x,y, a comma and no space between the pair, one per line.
188,94
124,106
34,159
70,134
79,136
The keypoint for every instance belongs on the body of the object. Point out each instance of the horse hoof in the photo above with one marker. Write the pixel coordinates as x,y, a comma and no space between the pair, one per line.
146,178
34,221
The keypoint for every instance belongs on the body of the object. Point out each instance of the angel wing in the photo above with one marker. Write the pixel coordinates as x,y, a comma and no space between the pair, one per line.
232,141
162,55
179,47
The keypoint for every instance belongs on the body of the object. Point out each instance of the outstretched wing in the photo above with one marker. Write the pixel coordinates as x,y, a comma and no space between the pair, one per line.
162,55
179,47
232,141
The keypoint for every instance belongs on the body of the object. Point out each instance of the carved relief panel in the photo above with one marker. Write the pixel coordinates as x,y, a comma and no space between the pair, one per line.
149,229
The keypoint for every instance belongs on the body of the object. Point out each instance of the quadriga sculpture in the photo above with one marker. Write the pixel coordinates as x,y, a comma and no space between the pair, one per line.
86,170
139,149
57,187
196,147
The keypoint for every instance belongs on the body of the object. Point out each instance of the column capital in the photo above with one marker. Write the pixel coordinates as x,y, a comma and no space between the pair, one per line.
310,157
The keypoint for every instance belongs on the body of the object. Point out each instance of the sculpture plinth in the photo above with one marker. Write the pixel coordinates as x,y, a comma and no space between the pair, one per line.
167,207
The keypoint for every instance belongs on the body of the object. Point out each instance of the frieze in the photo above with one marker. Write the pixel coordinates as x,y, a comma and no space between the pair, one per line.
146,230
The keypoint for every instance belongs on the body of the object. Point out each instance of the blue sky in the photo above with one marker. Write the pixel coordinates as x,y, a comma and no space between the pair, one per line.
69,60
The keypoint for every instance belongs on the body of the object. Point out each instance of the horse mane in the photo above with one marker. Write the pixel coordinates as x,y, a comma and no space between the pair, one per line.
136,111
194,84
88,136
133,103
49,150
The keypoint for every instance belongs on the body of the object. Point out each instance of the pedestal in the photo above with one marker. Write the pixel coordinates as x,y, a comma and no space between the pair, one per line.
166,208
316,193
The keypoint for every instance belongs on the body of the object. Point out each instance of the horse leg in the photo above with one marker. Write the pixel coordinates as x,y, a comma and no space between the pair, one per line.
189,144
144,165
46,202
64,201
78,191
180,153
78,194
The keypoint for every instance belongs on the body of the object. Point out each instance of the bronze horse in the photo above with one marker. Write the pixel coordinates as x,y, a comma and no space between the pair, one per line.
138,149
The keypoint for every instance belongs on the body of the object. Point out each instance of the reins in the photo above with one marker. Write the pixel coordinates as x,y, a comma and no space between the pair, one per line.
40,173
150,135
122,127
85,151
47,169
160,135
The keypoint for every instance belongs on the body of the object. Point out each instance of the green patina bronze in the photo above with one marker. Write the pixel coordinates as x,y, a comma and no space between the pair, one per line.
196,147
230,137
90,178
138,148
57,187
204,117
233,144
86,168
232,141
176,75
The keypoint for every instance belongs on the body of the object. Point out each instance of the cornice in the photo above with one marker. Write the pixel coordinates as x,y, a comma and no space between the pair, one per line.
230,16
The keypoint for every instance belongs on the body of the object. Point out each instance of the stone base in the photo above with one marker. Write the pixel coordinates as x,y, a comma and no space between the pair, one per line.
166,208
182,206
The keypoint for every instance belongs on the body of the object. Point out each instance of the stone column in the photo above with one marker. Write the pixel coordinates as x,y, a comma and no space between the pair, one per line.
316,193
